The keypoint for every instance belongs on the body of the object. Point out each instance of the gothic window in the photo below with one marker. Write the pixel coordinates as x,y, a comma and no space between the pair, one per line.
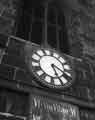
43,24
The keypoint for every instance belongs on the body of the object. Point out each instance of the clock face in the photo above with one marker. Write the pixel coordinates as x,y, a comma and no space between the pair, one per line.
51,69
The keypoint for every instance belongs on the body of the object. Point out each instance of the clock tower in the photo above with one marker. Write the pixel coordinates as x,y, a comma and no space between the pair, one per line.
47,65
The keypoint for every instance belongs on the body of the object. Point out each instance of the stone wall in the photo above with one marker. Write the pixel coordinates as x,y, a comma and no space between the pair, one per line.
8,12
80,18
14,75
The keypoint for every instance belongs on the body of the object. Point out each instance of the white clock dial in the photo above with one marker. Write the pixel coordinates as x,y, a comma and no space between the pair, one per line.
51,68
47,63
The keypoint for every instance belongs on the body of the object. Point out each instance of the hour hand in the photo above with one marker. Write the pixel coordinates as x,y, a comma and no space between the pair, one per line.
57,70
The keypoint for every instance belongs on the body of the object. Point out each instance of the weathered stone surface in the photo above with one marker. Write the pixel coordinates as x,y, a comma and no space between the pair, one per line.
8,13
81,30
6,72
18,51
87,3
80,19
87,115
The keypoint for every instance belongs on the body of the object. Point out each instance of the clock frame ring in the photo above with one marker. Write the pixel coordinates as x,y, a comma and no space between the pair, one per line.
70,77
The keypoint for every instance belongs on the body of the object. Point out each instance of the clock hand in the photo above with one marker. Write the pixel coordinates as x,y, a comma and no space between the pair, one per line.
54,66
54,70
56,73
57,70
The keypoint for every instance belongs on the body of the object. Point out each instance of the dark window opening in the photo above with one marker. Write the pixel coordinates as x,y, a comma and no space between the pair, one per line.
63,38
29,26
24,26
51,15
51,36
36,33
63,42
38,13
41,24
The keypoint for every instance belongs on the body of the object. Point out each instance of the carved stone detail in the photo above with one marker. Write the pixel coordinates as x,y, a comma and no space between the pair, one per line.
82,30
8,11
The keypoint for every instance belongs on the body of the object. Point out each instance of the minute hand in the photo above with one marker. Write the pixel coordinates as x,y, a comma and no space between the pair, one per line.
54,68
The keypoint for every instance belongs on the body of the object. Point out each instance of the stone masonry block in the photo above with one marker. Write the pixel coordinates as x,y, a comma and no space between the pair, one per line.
3,40
6,72
14,60
15,47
